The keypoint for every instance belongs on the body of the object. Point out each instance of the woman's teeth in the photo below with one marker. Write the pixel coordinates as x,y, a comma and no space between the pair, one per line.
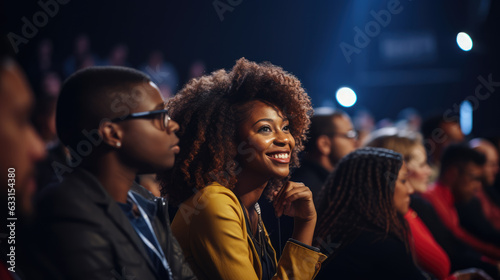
284,155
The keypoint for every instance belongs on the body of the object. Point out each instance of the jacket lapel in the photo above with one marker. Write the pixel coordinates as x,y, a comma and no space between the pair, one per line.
122,222
98,194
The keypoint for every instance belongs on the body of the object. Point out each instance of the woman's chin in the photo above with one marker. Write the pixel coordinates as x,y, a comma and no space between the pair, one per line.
281,175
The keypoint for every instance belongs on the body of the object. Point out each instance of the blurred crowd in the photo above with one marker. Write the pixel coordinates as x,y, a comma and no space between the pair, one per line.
409,198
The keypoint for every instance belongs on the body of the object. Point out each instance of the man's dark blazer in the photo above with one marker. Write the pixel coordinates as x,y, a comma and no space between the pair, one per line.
85,234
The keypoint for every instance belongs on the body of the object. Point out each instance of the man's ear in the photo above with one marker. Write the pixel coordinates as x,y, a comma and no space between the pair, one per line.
112,134
324,145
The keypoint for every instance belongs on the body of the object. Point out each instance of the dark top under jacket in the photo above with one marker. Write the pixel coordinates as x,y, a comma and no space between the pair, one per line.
86,235
370,256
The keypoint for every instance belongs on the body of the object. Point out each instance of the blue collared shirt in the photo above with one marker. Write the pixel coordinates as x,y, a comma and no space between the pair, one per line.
141,227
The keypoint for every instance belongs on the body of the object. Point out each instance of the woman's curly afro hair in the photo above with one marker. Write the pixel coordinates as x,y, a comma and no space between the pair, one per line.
209,111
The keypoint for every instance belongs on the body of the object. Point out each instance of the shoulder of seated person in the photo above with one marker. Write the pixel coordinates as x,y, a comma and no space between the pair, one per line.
215,191
71,196
214,198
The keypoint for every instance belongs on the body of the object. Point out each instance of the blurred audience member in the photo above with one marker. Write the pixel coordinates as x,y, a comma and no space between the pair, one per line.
480,216
430,256
439,132
331,137
364,123
45,120
409,119
357,212
87,61
386,122
162,73
43,63
50,84
45,109
118,56
494,191
82,56
197,69
45,123
20,149
459,180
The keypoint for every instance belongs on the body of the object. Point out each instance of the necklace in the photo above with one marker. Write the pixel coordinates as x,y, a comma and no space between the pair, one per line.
260,240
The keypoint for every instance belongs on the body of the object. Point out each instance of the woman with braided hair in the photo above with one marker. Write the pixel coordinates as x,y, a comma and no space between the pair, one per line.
240,134
357,217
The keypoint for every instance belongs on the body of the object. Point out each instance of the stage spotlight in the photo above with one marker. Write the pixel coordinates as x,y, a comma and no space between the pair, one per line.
466,117
464,41
346,96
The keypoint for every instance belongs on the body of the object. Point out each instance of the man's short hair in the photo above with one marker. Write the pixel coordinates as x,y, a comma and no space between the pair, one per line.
459,155
434,122
322,124
92,95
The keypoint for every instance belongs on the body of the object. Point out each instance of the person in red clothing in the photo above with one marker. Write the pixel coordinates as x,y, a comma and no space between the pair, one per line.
430,256
459,180
491,169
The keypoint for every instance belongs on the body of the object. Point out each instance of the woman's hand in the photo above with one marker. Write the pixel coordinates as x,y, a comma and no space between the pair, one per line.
296,200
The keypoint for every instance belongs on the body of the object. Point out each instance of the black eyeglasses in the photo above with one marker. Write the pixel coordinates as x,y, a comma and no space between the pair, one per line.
149,114
351,134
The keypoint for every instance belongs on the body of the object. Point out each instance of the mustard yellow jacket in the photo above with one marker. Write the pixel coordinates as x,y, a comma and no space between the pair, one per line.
210,227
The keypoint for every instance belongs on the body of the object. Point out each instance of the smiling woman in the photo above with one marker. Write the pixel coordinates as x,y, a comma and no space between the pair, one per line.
240,134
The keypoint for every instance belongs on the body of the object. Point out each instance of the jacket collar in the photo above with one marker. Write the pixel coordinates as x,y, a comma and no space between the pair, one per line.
97,194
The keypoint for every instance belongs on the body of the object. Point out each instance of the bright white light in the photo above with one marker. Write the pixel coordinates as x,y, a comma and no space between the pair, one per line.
464,41
346,96
466,117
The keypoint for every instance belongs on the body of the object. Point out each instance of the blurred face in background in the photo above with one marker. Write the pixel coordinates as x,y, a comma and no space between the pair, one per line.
453,133
468,181
491,166
343,141
402,191
418,169
20,146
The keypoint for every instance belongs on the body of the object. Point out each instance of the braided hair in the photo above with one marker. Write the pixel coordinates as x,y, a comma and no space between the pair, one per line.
209,111
358,196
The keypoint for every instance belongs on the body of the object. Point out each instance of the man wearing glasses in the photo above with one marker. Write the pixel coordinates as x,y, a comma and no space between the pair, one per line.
98,223
331,137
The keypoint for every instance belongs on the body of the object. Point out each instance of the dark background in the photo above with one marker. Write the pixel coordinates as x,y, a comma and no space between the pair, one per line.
304,38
